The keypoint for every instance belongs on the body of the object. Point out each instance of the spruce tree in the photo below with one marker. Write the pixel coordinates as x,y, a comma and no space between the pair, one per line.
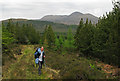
77,34
69,42
50,36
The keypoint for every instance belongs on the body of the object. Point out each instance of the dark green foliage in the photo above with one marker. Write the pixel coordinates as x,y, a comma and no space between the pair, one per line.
7,39
32,36
101,41
64,44
45,34
7,44
69,42
72,67
77,38
61,41
23,34
57,43
40,25
49,36
84,37
106,38
13,34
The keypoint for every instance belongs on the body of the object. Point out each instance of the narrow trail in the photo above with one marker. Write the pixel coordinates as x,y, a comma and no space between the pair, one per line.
25,67
52,70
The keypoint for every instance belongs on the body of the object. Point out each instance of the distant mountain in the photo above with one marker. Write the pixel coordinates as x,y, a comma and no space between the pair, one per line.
71,19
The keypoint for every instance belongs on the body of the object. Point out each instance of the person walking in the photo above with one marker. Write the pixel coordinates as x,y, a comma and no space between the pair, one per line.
39,58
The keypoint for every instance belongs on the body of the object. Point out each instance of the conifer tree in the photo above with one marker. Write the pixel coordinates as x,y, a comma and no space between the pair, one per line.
7,38
57,44
69,42
49,36
76,37
61,41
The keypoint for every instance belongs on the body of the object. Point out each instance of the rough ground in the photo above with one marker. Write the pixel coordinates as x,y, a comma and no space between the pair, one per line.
24,66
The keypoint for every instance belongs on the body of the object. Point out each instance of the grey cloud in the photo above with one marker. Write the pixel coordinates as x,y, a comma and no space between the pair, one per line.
40,9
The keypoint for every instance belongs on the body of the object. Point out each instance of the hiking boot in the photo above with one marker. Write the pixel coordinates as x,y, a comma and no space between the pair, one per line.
39,71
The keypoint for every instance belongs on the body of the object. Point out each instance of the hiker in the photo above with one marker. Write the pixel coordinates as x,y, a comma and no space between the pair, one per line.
39,58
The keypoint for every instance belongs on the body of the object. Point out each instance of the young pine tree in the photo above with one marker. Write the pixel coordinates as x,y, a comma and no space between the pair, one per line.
7,38
69,42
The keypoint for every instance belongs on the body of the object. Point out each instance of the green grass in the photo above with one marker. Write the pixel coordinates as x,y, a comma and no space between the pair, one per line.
63,66
24,67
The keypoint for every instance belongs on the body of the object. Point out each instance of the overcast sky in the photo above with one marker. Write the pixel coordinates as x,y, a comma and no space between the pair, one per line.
36,9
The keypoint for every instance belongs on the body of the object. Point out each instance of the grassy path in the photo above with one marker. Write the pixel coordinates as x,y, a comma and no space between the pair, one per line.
24,67
68,66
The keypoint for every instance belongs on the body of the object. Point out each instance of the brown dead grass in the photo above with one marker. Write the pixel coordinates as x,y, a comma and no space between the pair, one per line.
109,69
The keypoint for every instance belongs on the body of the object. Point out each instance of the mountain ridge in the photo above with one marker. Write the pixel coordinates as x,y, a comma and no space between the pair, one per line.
72,19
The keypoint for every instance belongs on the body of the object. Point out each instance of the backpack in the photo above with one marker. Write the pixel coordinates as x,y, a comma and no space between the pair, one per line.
36,53
36,60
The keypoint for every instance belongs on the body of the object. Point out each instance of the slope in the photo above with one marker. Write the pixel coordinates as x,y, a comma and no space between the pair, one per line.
59,66
40,25
25,68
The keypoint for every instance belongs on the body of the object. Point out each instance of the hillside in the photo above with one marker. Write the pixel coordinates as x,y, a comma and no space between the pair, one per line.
40,25
58,66
71,19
